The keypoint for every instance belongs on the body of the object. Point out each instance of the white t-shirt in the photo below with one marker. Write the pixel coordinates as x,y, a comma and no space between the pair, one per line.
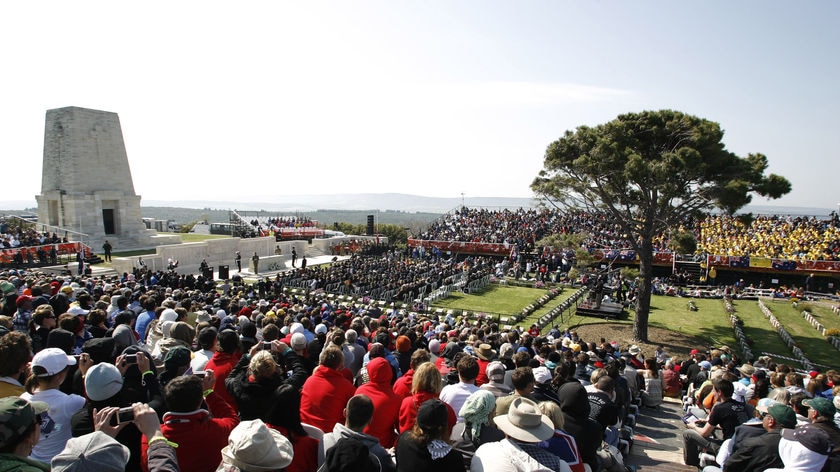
55,428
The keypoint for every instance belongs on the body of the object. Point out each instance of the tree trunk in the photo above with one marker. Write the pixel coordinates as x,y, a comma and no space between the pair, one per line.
640,325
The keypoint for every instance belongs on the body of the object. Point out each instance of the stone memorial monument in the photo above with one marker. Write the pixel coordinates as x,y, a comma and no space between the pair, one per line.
86,185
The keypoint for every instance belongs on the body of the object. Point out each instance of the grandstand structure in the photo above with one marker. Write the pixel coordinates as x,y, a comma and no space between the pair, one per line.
246,224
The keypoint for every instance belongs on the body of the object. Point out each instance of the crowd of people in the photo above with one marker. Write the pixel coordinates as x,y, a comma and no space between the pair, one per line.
785,237
237,374
14,235
757,416
795,238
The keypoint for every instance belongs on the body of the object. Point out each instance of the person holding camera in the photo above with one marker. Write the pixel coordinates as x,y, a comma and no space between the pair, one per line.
101,451
200,434
49,369
106,390
258,374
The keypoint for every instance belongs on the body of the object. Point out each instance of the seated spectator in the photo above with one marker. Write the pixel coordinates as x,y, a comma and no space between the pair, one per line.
496,377
325,393
477,428
426,385
523,384
402,386
562,444
386,404
821,413
359,412
762,452
804,449
455,395
284,416
252,446
208,343
726,413
424,446
671,377
525,427
654,384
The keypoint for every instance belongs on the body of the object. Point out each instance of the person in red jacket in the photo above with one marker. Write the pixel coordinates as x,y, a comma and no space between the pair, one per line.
200,434
402,387
386,404
426,385
325,392
485,354
223,362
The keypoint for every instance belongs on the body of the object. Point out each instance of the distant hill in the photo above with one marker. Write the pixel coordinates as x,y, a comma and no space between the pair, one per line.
361,202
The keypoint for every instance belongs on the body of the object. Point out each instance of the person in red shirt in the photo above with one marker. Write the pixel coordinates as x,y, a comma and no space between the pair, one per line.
402,387
325,392
386,404
223,362
426,385
200,434
485,354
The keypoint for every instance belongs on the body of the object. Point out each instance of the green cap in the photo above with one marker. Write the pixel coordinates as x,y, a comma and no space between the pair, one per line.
823,406
783,414
16,416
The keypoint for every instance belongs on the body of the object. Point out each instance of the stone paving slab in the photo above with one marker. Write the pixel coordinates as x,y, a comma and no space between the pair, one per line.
658,439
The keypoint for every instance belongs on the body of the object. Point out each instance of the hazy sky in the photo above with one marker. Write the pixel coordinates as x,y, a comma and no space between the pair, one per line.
240,100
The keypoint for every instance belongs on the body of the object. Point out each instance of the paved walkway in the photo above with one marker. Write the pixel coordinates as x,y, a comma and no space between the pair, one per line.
658,439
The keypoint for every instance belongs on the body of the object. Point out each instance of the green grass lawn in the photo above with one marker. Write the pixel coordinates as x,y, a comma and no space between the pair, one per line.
496,299
810,341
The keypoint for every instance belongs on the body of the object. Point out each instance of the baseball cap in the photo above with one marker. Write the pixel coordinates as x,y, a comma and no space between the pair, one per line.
77,310
495,370
542,375
814,439
783,414
16,416
51,361
432,414
103,381
823,406
95,452
23,299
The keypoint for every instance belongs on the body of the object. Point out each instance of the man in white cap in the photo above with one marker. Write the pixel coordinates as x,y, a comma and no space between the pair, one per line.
525,426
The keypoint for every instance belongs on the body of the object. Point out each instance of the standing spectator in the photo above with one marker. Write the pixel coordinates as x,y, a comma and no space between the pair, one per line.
106,248
326,392
49,369
199,434
223,361
23,315
253,446
20,429
14,363
284,416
